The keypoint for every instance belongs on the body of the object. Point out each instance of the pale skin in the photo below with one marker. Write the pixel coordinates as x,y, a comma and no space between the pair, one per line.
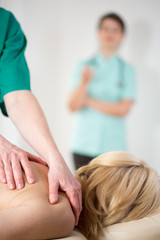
110,36
27,214
27,115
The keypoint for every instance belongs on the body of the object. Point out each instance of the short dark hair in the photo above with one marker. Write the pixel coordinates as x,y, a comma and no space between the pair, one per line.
115,17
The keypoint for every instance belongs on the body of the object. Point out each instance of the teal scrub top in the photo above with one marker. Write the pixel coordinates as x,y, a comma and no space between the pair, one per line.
14,73
93,132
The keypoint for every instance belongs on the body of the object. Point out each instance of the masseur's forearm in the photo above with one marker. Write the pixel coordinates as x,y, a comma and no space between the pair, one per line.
25,112
120,108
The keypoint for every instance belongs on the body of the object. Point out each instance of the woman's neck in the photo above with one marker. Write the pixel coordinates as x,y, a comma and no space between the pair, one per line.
106,52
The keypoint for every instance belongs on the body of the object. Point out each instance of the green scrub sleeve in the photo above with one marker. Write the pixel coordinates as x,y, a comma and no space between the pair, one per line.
129,83
14,72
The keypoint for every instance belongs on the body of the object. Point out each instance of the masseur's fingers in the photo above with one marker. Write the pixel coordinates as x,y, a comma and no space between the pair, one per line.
8,171
2,173
12,160
74,194
17,171
60,177
27,168
75,200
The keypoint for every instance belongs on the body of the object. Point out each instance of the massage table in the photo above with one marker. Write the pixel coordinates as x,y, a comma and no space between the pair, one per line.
147,228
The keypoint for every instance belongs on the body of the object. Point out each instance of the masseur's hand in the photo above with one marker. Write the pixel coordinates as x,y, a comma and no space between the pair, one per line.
60,177
12,160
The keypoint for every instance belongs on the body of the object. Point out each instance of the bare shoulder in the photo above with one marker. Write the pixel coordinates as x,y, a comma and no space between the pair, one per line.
53,221
59,215
64,212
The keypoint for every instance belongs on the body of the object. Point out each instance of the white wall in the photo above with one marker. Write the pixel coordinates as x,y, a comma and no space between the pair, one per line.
59,33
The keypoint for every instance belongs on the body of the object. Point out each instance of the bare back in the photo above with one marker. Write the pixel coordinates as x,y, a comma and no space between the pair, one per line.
28,213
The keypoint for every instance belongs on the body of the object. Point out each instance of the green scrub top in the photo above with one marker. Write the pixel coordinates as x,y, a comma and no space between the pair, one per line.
93,132
14,73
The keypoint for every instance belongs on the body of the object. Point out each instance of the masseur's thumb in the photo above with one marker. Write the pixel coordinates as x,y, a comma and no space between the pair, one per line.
53,190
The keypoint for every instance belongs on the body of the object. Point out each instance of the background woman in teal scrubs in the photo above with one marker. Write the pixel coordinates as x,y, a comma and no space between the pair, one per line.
18,103
103,91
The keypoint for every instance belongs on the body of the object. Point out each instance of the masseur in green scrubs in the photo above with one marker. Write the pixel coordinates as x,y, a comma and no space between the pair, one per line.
103,91
18,103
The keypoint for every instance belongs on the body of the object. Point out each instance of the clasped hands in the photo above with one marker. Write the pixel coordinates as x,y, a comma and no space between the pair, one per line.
79,97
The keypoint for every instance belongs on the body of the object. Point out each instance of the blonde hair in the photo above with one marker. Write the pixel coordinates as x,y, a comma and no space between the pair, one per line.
116,187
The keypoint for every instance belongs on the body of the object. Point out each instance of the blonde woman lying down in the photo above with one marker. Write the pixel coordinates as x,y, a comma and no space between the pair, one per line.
116,187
